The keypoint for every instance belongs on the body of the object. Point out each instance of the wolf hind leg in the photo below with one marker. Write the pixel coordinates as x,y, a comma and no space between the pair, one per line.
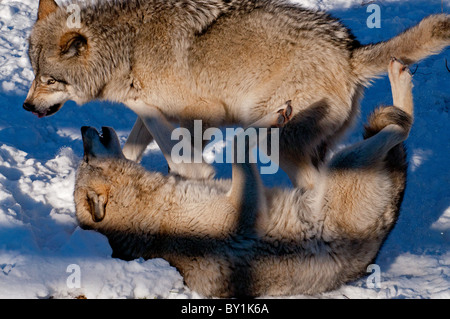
387,126
247,191
367,180
401,85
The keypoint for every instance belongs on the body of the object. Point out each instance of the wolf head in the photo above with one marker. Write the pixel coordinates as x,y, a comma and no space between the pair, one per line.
66,63
92,188
51,47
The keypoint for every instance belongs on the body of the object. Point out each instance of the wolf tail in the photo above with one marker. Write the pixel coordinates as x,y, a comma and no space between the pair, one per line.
429,37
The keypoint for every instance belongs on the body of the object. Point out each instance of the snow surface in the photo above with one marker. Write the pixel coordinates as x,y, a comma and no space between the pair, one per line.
39,239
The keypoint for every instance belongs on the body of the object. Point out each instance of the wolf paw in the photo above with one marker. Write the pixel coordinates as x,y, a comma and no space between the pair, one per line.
399,74
284,115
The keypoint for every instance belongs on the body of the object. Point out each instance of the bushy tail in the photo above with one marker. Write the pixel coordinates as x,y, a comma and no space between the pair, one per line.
429,37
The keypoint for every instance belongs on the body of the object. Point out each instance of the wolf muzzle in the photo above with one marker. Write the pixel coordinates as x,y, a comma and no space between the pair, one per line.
40,114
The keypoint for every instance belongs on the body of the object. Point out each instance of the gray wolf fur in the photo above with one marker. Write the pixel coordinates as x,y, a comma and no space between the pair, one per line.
219,61
236,238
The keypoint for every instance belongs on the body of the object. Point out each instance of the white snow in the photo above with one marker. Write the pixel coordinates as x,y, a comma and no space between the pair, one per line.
43,253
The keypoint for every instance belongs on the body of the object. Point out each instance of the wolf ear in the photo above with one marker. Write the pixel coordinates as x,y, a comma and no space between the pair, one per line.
46,7
73,44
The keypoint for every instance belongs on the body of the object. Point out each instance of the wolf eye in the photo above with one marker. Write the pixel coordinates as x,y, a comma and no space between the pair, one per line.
51,81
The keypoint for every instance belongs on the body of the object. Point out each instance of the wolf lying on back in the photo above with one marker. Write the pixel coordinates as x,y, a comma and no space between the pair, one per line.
218,61
237,238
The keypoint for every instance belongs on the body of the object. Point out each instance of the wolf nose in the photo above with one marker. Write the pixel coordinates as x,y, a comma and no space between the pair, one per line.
28,107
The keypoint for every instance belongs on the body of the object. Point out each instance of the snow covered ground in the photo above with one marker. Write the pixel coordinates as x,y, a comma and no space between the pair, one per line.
44,254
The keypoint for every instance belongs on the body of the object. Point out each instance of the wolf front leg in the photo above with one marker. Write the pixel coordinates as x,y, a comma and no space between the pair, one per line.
247,190
137,141
161,131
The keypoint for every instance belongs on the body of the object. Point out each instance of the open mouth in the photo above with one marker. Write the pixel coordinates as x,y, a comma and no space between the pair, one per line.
100,145
52,110
105,136
88,133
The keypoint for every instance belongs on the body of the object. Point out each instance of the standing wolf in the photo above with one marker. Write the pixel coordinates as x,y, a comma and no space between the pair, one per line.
240,239
219,61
